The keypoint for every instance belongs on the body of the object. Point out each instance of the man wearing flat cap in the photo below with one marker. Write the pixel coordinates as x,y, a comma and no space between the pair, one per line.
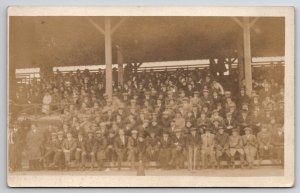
152,145
207,149
264,140
100,148
58,155
278,144
79,148
69,148
250,146
178,148
132,148
88,152
110,149
221,145
193,143
50,147
236,146
120,145
165,150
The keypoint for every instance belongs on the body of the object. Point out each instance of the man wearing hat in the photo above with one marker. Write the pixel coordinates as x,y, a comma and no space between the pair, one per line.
120,145
193,142
243,98
152,146
58,154
141,148
79,149
165,150
215,126
207,149
221,144
165,120
216,117
155,126
256,121
125,98
178,146
235,143
229,123
179,120
132,147
202,120
100,148
264,140
110,150
88,152
243,120
50,147
206,99
69,148
250,146
278,144
195,100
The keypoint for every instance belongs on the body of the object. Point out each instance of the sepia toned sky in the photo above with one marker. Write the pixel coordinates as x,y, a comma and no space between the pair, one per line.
64,41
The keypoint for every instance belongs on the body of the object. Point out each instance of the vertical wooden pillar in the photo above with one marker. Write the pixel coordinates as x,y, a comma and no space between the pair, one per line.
120,66
247,55
108,57
240,55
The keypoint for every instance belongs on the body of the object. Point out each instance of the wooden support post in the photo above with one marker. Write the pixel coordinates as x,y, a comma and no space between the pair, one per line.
247,55
120,66
108,57
240,55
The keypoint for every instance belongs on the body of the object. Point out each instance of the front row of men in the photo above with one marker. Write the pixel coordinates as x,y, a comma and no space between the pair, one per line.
169,151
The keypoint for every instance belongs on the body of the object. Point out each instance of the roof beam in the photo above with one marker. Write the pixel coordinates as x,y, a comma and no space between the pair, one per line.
98,27
118,25
253,21
236,20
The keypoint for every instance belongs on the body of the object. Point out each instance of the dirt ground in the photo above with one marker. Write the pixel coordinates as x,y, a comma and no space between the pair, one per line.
261,171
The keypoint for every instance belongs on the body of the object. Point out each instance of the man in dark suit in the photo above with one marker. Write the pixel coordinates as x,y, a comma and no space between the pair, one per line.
165,150
100,147
221,145
208,148
178,146
120,145
193,142
88,152
278,144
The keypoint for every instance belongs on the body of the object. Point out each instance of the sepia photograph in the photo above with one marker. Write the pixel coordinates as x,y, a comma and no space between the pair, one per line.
158,97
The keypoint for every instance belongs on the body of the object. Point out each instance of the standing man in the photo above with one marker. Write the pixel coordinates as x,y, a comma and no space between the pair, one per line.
152,146
235,143
88,151
221,145
69,148
100,149
178,141
207,150
264,143
193,146
79,150
250,146
120,144
132,148
165,150
278,144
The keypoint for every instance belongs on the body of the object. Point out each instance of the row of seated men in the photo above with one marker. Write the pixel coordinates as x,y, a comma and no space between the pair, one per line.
170,150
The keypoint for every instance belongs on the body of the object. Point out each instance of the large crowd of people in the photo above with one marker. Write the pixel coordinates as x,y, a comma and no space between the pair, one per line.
190,119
